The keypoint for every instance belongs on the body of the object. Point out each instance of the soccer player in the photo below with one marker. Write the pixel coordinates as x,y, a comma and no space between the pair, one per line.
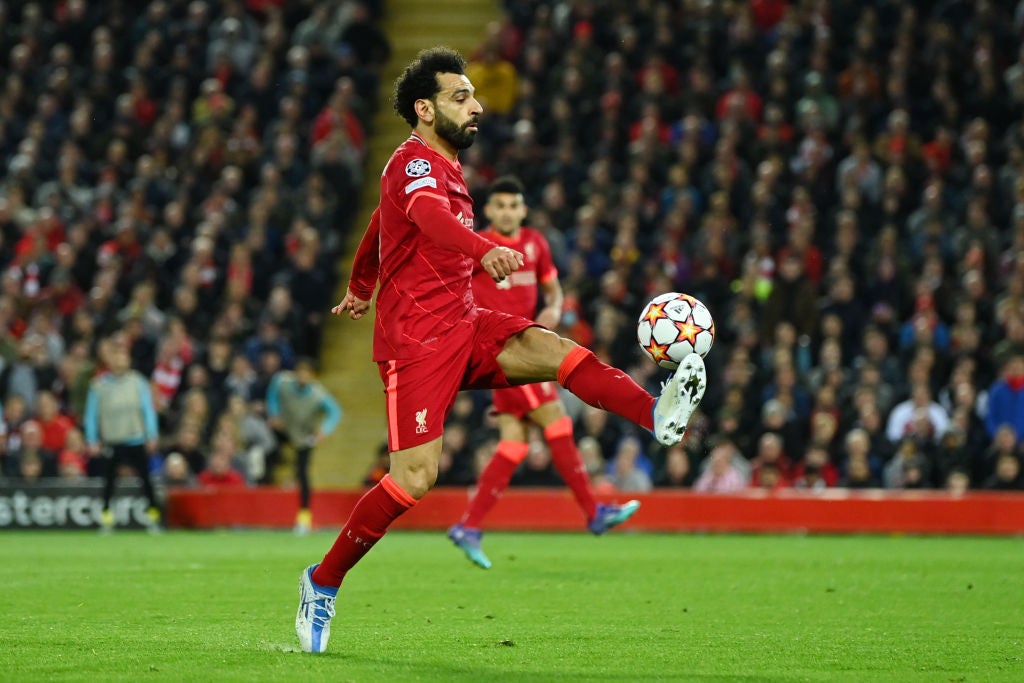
300,406
431,340
120,421
518,406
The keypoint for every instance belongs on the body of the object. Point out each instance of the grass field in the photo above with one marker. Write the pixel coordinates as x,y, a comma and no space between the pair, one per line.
220,606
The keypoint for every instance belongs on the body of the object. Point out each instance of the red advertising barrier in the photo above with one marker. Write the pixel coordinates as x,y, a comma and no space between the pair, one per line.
832,511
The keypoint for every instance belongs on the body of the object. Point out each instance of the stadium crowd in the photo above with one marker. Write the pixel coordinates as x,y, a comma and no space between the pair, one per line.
178,178
841,182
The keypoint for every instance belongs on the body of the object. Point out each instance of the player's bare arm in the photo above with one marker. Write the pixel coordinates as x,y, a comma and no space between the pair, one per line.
553,298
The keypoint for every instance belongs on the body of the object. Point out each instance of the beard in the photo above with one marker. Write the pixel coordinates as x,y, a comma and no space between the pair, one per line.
460,137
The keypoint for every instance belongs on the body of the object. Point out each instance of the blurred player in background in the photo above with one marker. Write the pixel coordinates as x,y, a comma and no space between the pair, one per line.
121,423
301,407
431,340
519,406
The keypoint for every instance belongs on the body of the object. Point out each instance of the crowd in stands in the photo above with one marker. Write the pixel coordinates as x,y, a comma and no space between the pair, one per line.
841,182
177,177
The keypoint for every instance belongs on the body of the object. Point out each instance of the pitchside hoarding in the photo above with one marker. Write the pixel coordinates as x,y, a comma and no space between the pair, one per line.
56,504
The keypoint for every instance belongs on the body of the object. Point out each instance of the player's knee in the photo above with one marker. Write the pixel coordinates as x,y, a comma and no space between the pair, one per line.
565,347
550,346
417,478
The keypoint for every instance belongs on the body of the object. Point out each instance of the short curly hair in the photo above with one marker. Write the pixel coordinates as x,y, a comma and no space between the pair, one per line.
506,184
419,80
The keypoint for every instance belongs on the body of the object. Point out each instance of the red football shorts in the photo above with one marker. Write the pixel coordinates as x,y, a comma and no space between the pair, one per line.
419,392
521,400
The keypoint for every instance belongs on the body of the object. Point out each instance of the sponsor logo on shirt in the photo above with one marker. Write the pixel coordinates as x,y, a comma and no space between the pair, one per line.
520,278
417,184
417,168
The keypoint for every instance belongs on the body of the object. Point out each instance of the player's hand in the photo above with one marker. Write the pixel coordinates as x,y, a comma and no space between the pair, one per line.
94,449
501,262
355,306
152,445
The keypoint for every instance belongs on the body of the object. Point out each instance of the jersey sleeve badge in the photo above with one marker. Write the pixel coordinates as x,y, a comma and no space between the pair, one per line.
417,168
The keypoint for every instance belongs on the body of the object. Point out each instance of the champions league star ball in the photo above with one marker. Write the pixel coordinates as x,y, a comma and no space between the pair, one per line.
672,327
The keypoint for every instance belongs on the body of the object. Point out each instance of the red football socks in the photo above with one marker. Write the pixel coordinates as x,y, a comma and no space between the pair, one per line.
605,387
566,458
493,481
370,518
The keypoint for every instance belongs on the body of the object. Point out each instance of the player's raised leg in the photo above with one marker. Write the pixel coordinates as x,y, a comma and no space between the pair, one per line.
413,473
536,355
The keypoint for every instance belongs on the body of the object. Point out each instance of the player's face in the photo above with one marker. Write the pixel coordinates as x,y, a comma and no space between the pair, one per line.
505,211
456,111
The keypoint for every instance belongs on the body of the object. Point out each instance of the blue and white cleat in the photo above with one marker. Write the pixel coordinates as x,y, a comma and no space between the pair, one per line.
469,541
680,396
609,516
316,608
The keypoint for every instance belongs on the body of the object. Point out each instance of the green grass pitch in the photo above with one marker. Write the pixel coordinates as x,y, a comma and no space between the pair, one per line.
220,606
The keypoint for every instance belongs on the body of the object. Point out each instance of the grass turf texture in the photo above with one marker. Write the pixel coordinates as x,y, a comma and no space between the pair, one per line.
219,606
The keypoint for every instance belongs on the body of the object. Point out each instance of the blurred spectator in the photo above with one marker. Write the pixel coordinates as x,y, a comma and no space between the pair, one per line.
908,468
1006,398
815,471
30,460
220,470
858,474
1004,442
676,471
55,426
270,338
1007,474
722,471
495,79
73,458
255,437
187,443
958,482
176,472
629,469
919,416
770,454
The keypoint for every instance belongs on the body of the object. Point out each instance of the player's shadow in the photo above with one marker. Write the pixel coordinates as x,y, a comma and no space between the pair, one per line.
398,669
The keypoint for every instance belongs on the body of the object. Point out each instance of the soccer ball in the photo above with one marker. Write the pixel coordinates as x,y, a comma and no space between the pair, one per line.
672,327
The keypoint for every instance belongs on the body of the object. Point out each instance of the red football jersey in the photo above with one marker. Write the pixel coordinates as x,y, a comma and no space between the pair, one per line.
517,294
424,287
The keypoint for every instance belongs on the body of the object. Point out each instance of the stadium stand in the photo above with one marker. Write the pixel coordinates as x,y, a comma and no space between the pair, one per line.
839,181
179,177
